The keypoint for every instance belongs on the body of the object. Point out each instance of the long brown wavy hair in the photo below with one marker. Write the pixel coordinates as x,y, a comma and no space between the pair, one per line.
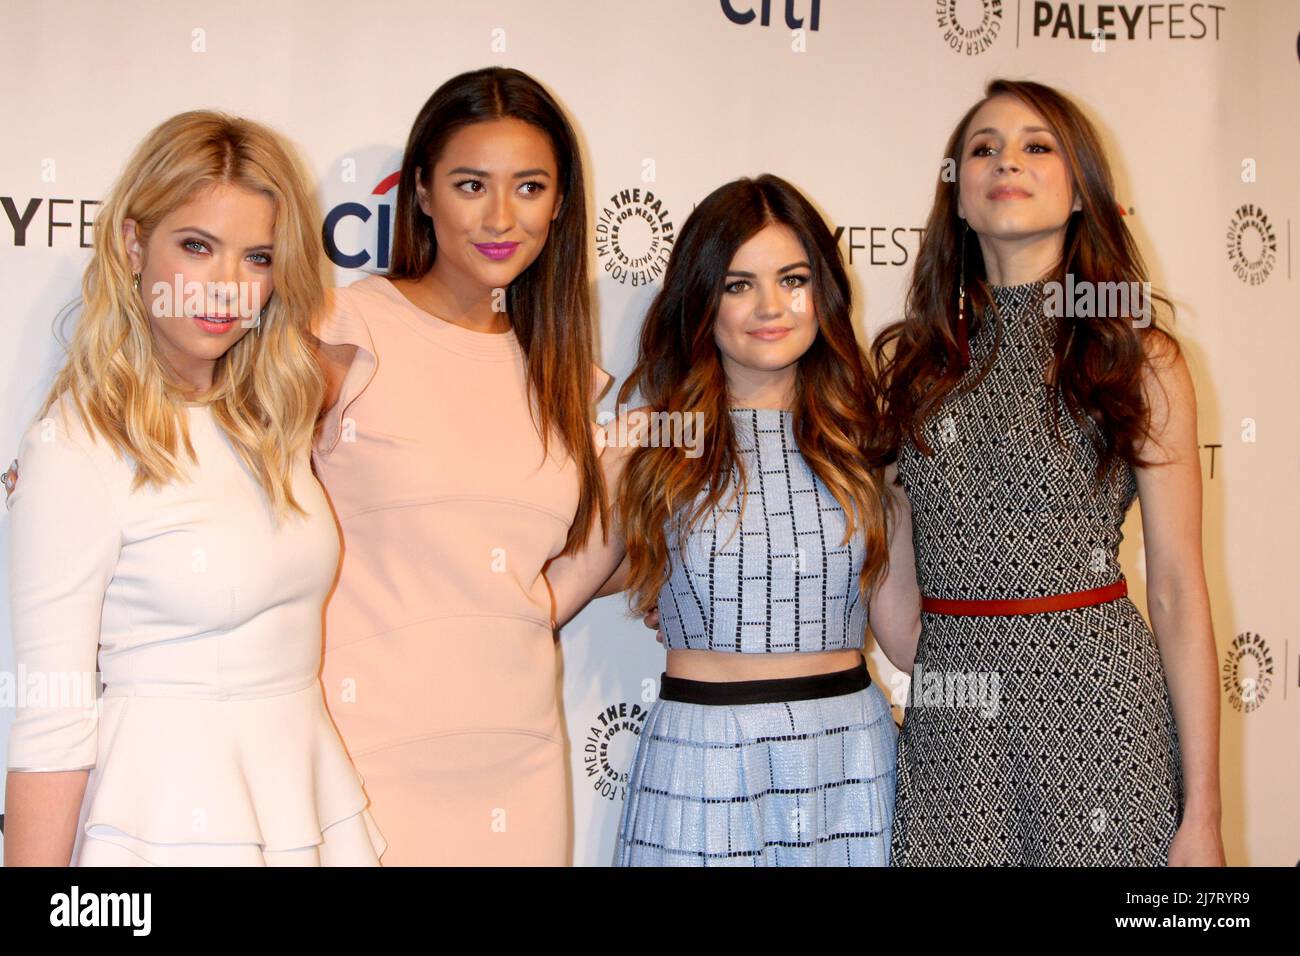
1097,364
549,303
836,410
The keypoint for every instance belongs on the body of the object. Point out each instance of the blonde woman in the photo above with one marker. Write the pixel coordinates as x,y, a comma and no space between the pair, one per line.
168,522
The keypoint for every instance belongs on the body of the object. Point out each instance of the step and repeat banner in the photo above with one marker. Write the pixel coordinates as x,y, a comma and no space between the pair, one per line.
851,100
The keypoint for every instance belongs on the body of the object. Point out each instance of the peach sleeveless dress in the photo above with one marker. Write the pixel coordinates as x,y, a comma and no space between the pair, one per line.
440,664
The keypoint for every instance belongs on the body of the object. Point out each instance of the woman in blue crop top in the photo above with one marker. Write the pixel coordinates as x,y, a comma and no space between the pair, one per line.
753,510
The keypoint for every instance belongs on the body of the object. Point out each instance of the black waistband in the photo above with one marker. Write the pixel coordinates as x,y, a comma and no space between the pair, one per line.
765,691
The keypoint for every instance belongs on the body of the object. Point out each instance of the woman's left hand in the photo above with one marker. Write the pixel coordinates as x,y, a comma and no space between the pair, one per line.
1197,843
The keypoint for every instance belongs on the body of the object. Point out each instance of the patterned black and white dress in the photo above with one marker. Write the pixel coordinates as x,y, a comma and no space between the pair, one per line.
1033,739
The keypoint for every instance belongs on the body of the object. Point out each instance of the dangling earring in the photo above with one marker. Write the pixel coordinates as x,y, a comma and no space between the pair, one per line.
135,280
963,337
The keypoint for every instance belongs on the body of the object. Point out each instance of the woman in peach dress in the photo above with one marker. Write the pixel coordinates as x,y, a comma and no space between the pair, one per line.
458,452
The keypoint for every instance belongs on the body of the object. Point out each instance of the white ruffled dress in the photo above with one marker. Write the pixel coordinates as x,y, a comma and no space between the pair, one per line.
211,744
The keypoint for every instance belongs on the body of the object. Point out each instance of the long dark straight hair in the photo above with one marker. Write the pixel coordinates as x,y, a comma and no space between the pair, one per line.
549,303
1097,362
678,369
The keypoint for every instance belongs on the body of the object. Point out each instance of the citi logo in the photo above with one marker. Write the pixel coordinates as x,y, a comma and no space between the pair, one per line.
349,236
103,909
739,12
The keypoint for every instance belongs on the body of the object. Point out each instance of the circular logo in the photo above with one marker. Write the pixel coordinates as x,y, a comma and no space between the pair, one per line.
1252,245
634,237
969,26
610,746
1247,672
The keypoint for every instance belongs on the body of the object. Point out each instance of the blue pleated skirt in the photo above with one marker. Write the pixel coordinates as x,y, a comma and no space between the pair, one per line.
798,783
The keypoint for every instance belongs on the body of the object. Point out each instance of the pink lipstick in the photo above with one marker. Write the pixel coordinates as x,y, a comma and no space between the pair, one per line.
496,250
215,324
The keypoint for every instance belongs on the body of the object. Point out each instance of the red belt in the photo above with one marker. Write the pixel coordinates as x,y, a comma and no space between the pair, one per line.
1036,605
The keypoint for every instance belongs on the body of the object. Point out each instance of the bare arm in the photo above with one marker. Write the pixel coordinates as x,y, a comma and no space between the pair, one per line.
617,581
894,610
1177,597
41,810
600,567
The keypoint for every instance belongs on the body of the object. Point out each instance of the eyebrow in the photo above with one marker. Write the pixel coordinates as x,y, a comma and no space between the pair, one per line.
783,269
484,174
213,239
1023,129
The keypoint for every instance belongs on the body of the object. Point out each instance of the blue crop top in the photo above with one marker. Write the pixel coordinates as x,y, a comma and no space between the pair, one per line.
783,582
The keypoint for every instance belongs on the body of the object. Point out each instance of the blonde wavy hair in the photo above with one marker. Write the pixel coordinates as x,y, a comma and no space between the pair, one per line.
267,388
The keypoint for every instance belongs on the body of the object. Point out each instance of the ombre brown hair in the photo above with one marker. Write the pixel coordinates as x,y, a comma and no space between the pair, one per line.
549,303
266,388
1098,362
679,369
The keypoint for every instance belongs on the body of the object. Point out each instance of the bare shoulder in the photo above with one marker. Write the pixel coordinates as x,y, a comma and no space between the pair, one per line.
1166,379
1170,395
1162,350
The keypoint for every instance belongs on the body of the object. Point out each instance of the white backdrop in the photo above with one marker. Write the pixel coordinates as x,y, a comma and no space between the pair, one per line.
1197,102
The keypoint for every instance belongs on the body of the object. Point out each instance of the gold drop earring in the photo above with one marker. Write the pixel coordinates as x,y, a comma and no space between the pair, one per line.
963,335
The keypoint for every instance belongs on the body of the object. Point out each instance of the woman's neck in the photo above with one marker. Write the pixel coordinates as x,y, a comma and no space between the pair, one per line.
753,388
192,379
1010,262
462,303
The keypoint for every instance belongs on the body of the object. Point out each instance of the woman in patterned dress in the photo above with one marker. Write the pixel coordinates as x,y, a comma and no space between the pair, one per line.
763,538
1047,724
